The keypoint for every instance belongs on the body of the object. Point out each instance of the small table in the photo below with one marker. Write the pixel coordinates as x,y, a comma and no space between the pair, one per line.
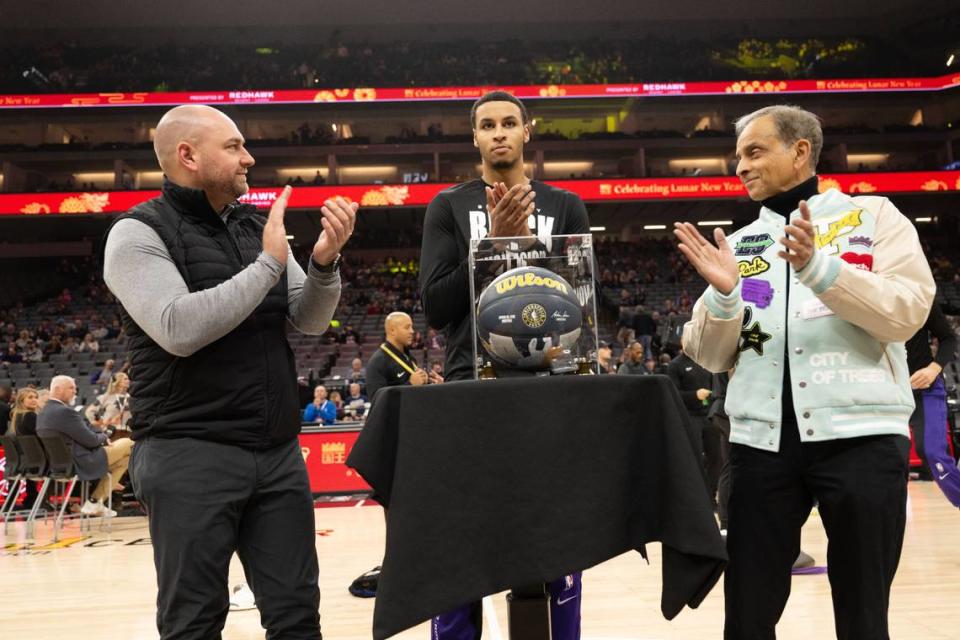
497,484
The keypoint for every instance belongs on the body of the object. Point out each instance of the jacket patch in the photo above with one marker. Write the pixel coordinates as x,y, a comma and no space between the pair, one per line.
862,261
759,292
754,268
830,234
753,245
754,337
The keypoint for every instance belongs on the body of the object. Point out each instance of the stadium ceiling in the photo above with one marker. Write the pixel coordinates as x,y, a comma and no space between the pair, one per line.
490,20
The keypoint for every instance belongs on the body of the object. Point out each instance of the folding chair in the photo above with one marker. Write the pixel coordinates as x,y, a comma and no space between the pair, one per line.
61,468
33,466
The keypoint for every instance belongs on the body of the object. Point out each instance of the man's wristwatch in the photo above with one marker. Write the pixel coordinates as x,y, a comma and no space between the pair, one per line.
330,268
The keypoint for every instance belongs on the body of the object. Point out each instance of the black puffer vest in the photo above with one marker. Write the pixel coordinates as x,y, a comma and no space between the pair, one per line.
240,389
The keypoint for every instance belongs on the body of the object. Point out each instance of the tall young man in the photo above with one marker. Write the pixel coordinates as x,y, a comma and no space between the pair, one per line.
503,202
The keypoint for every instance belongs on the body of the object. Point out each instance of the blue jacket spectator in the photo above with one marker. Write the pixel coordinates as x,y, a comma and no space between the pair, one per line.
320,410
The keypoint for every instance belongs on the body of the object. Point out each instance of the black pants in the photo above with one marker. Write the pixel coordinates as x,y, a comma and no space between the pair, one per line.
714,454
861,487
207,500
722,425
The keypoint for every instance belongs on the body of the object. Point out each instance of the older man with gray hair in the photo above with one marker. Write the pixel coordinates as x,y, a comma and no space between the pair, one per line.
812,303
93,454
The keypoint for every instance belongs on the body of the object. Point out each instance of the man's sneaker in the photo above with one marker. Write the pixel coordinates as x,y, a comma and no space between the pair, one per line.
804,561
107,512
93,509
241,598
366,585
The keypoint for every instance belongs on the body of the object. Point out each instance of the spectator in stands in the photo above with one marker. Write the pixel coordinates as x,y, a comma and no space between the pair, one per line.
94,455
625,318
337,401
11,355
417,340
355,400
23,418
70,346
23,340
111,409
101,377
436,370
357,372
434,340
633,362
99,330
349,335
23,422
663,363
650,365
605,358
89,344
53,346
644,327
32,352
321,410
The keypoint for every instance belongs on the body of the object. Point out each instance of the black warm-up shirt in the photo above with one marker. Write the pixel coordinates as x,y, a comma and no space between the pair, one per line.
689,377
919,354
454,217
386,371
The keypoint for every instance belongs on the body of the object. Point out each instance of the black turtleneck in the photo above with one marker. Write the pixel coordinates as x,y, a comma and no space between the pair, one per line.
786,203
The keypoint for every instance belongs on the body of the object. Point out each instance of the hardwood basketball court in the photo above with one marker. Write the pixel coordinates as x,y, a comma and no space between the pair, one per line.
101,585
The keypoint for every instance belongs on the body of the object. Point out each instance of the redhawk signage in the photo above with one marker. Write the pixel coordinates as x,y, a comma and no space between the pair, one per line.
440,94
419,195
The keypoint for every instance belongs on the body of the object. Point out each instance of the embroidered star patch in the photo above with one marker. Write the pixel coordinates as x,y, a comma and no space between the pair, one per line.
754,338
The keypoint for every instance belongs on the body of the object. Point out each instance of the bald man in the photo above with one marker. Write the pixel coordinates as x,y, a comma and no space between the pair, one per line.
207,286
391,366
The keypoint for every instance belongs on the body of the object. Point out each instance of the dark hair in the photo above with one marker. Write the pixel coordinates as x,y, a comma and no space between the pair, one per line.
497,96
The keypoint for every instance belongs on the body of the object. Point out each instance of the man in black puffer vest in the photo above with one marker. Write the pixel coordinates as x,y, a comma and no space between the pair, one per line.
207,287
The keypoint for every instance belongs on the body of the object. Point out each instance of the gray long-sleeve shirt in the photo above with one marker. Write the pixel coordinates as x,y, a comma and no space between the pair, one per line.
139,271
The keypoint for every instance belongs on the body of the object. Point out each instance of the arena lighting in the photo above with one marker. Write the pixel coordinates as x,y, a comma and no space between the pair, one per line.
598,228
923,219
368,171
654,227
714,223
950,59
867,158
94,176
571,166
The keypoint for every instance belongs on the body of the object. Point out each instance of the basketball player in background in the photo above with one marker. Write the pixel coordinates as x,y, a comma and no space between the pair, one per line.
503,202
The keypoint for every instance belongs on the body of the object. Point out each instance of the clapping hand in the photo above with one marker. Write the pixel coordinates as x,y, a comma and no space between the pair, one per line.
715,264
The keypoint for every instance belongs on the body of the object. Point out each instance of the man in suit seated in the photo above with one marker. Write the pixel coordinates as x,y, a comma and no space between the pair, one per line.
93,453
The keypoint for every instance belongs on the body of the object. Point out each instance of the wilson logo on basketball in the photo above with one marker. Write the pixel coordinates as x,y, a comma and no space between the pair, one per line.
529,280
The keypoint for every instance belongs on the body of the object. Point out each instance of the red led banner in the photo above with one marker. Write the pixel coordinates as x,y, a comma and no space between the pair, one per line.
440,94
418,195
325,454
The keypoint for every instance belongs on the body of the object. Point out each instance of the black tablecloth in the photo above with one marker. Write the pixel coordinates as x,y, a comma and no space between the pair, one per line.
503,483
